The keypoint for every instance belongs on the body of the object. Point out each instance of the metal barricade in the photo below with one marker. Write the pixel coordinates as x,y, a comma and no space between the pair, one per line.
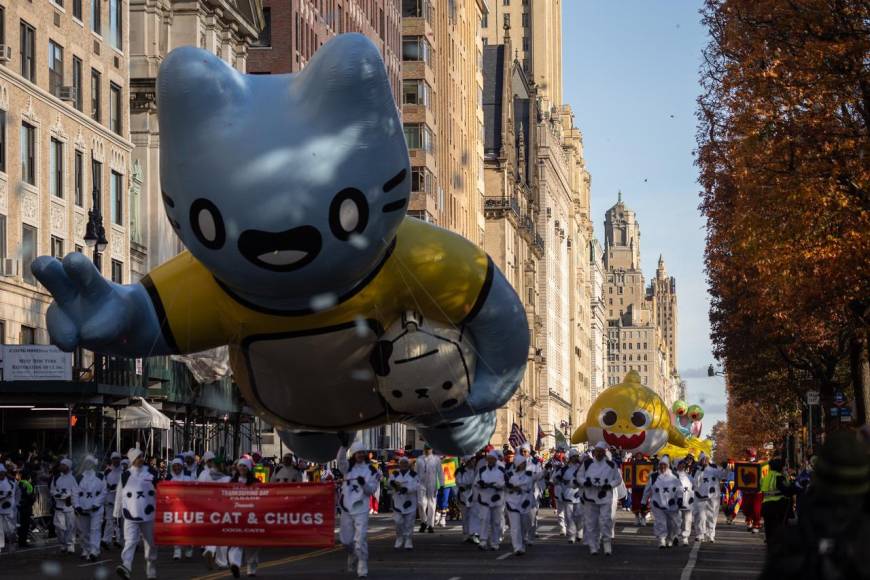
44,505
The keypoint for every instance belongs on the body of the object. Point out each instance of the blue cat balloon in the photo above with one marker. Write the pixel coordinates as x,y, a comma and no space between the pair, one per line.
340,312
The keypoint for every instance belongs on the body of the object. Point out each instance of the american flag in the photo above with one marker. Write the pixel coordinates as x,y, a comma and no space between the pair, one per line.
517,437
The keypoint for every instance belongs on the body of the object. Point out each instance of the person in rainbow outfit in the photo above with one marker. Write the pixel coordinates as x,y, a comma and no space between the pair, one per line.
732,498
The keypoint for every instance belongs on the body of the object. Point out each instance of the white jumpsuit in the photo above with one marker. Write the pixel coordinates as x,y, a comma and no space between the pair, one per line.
135,501
235,554
65,489
112,475
518,503
287,474
177,550
598,480
665,491
552,470
89,507
358,485
489,495
686,502
465,485
404,485
569,501
8,487
431,474
707,497
217,553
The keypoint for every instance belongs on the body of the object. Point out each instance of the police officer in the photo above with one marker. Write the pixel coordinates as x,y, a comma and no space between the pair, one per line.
404,483
89,508
777,491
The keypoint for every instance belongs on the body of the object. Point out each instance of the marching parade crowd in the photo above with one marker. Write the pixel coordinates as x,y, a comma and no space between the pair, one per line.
98,507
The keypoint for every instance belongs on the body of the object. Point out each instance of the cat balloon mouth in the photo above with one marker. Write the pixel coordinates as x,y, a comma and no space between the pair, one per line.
625,441
281,251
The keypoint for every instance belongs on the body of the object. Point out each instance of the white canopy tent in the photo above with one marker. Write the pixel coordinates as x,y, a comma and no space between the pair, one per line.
141,415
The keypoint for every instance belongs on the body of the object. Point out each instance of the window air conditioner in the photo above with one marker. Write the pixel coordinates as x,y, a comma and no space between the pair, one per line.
11,267
5,53
66,93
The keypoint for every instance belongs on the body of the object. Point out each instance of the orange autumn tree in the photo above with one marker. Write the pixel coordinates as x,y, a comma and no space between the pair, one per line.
783,154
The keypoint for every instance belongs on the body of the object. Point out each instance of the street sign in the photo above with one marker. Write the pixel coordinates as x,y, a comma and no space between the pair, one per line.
812,397
839,398
33,362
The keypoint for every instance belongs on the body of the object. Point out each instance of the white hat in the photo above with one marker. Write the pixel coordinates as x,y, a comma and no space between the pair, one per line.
115,455
89,458
356,448
176,461
519,460
601,445
187,454
247,463
665,459
573,452
494,453
125,461
527,446
67,462
134,454
207,456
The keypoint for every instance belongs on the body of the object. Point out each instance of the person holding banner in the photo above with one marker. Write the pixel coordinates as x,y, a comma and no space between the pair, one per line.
404,483
244,474
707,483
519,502
135,501
431,478
569,500
65,489
214,555
178,473
599,477
465,475
288,471
89,508
489,484
360,480
111,530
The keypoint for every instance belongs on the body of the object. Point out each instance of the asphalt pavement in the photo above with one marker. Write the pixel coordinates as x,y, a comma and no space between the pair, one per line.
736,555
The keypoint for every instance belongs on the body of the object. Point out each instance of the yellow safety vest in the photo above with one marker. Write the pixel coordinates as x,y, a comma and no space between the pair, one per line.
768,487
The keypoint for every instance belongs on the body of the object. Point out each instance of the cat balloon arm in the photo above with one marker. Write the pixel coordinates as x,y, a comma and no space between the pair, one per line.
91,312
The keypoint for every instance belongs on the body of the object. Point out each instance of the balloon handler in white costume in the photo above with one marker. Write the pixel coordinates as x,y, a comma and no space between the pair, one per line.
565,480
7,507
686,501
215,556
112,531
431,479
404,483
89,508
707,485
664,488
177,472
598,477
135,501
519,502
65,490
360,479
489,484
465,477
244,474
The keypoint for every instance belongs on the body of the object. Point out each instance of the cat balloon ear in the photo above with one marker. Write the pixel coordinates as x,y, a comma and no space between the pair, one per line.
347,75
192,84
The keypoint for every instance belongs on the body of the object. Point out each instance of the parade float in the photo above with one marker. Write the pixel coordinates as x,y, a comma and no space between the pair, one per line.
633,418
340,312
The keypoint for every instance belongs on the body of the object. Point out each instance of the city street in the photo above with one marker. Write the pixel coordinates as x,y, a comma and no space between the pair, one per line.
441,556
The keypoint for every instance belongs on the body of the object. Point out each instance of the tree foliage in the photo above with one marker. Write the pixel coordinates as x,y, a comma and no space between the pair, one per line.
784,160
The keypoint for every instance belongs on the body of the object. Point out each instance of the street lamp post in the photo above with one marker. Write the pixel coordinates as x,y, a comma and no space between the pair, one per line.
95,237
712,372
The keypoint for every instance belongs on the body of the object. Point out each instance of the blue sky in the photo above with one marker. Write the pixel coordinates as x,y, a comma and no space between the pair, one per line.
631,76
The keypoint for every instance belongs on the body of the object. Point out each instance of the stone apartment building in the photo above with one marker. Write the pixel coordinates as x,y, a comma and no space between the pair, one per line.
64,143
598,319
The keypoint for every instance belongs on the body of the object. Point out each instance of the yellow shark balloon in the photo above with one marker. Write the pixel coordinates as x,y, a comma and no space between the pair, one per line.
634,418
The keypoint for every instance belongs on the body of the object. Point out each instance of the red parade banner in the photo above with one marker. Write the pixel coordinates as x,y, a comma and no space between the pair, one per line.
234,514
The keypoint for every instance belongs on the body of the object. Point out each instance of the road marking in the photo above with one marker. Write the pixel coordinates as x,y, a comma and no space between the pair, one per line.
455,578
628,531
93,563
504,556
690,565
288,560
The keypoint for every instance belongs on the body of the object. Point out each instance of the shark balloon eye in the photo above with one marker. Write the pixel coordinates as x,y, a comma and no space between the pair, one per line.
640,418
348,213
608,417
207,224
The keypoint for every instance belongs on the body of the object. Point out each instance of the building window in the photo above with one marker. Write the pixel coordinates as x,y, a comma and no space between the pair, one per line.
27,39
415,8
417,92
422,180
2,25
57,247
526,44
416,48
116,22
95,95
28,252
2,237
115,108
97,173
55,67
28,153
2,141
55,168
484,22
27,335
79,178
116,187
96,16
419,136
265,38
77,81
79,249
117,272
77,9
